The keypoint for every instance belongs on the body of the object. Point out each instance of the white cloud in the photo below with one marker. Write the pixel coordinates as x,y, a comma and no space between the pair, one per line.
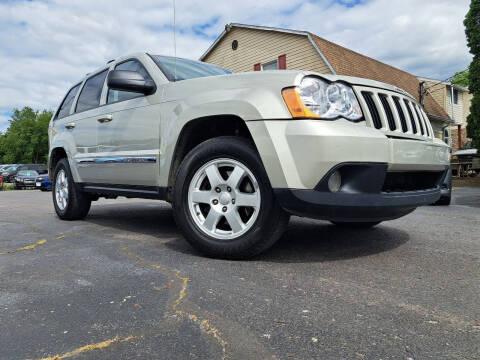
45,46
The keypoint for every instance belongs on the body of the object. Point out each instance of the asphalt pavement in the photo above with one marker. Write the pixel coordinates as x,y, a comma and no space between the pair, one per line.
124,284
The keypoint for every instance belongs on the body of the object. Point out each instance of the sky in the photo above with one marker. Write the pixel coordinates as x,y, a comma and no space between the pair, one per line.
47,45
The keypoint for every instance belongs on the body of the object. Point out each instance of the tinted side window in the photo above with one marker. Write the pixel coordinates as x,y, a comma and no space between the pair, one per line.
92,90
117,95
67,103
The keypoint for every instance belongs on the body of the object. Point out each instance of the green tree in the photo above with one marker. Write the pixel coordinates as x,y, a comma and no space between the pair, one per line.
26,139
472,30
461,78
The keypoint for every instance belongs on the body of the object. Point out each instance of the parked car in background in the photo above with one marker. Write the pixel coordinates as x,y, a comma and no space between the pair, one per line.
43,183
3,167
241,152
9,173
25,178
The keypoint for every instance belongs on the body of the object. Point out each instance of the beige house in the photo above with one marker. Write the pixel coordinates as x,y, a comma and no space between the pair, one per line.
455,100
242,48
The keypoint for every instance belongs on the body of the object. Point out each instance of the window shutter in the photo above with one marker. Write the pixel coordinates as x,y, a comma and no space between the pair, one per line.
282,62
257,67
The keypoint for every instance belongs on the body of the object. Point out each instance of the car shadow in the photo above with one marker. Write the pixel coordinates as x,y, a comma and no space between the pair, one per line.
305,240
318,241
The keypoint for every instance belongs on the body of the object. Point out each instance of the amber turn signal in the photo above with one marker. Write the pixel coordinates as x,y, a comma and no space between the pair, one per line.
296,106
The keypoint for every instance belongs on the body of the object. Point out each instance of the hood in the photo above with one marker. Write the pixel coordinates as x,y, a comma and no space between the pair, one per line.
272,78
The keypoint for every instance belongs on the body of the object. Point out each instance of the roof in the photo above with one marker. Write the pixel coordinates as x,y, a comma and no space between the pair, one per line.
343,61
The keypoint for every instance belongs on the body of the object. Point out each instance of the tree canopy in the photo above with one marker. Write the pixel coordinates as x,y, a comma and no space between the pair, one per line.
26,139
472,30
461,78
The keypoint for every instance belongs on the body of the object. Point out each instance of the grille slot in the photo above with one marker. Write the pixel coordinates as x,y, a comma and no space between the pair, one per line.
377,122
412,120
388,111
393,112
425,122
420,120
403,121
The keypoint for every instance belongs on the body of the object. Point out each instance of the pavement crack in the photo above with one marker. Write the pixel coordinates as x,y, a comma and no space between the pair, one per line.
183,281
91,347
32,246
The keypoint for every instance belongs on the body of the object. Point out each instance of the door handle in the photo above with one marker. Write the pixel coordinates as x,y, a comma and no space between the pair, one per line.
105,119
70,125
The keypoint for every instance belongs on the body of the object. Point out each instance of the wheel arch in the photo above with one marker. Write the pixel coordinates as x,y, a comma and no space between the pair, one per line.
56,155
198,130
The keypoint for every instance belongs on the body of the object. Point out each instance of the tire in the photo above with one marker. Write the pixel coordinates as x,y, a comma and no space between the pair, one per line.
445,200
356,225
77,203
258,232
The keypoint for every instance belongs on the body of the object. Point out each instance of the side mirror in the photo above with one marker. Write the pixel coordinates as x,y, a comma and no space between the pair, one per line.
133,81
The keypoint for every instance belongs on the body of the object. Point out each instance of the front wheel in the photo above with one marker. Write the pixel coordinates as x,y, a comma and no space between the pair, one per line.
223,201
69,202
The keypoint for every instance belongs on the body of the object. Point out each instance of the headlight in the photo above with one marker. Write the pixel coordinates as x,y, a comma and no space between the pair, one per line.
316,98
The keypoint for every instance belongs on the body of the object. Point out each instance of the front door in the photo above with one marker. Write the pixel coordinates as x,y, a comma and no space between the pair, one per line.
128,136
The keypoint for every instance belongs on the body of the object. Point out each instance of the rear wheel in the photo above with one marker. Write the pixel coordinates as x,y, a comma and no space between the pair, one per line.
356,225
69,202
223,201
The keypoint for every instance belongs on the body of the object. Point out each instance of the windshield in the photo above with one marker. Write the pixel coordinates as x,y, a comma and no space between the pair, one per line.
186,69
27,173
11,168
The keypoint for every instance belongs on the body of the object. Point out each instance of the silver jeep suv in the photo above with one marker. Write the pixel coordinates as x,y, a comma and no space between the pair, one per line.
236,154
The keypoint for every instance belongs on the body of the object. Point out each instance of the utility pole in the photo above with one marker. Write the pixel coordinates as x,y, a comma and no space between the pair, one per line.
422,91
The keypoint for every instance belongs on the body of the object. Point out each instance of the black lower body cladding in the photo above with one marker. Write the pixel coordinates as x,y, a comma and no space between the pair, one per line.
368,193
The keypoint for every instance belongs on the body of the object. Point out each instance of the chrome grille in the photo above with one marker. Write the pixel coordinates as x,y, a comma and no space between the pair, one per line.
393,113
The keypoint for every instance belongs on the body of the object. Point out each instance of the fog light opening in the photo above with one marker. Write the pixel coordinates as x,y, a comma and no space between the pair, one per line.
335,181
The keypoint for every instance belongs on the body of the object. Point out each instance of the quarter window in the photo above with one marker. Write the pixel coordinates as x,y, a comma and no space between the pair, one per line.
67,103
92,90
119,95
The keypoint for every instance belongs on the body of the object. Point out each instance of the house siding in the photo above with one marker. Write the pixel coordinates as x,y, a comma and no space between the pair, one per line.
437,92
257,46
458,113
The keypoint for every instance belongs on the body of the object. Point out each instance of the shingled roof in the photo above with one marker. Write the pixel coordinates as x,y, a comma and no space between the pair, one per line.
350,63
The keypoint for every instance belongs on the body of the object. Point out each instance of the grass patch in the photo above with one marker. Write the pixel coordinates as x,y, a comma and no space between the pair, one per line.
8,186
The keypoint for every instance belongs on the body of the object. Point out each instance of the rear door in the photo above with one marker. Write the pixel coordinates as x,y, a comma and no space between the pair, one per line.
88,110
129,135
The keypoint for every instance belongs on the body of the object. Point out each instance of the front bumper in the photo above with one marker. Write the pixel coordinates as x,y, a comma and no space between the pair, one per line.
368,193
298,153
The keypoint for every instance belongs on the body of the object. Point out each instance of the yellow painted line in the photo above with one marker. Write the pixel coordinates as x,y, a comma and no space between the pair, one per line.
32,246
203,324
90,347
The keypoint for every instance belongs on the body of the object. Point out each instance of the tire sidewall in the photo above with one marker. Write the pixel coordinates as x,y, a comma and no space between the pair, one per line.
231,148
62,165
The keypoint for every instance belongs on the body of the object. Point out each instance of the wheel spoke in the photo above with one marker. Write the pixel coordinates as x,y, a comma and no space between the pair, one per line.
236,177
246,199
212,219
201,196
213,175
234,220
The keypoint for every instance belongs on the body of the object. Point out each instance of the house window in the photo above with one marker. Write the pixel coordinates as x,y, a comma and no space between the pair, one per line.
455,96
279,64
446,136
272,65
